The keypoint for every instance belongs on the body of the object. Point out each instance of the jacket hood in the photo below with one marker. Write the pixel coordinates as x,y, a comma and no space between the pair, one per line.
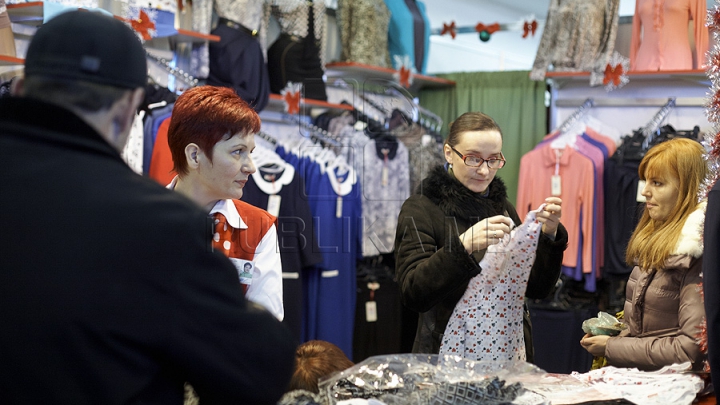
690,242
456,200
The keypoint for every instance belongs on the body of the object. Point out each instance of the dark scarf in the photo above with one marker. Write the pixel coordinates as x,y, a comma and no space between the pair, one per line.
456,200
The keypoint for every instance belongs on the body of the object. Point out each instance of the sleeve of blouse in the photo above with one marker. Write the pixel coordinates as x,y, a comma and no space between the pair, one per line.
320,31
264,26
698,9
266,288
547,43
610,33
635,38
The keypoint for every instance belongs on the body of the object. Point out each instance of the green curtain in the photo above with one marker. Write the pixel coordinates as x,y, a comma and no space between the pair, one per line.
515,102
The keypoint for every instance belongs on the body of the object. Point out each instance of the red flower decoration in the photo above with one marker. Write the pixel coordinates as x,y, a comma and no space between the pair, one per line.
292,102
613,74
143,24
405,76
480,27
449,29
714,18
529,28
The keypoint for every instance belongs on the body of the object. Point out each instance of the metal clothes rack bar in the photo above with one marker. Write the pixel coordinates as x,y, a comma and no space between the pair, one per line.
422,115
634,102
178,73
267,137
434,122
649,129
575,116
316,133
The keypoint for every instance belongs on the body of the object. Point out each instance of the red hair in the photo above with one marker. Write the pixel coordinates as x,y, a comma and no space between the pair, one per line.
316,359
205,115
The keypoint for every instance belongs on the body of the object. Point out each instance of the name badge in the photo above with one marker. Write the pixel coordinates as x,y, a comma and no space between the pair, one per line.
245,269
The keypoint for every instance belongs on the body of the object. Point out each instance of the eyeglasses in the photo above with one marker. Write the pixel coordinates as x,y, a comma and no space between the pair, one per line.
476,161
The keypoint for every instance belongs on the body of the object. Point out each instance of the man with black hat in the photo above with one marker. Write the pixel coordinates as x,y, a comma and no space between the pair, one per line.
109,289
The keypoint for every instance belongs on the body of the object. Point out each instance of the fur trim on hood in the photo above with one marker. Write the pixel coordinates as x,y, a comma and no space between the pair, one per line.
456,200
690,242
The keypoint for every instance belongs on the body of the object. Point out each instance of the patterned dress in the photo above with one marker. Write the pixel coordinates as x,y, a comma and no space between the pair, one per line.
487,323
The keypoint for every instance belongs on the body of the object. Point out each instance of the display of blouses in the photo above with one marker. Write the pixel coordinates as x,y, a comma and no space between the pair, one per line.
579,35
660,39
404,37
364,31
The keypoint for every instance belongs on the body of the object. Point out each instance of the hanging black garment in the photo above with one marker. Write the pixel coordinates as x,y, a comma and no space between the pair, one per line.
297,60
237,62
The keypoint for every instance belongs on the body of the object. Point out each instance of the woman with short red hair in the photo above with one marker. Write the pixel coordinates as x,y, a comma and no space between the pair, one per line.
211,135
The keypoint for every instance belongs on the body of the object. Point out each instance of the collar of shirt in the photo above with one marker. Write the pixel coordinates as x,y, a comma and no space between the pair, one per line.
550,157
225,207
229,210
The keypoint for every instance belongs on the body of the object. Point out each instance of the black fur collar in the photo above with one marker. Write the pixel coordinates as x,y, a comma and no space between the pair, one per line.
456,200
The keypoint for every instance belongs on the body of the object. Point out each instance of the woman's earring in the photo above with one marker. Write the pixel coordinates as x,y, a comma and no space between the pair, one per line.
450,165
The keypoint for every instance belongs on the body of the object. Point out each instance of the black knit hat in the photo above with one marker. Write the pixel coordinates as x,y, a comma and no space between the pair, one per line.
88,46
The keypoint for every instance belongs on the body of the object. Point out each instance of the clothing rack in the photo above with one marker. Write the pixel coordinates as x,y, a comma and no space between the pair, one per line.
429,119
178,73
361,113
421,115
633,102
315,133
575,116
649,129
267,137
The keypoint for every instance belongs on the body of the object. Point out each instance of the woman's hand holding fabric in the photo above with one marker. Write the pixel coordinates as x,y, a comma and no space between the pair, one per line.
550,216
487,232
595,344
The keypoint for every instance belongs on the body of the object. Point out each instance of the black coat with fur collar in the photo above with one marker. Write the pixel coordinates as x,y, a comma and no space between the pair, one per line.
432,266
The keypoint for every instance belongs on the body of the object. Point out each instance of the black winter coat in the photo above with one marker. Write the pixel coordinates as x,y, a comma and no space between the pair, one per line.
432,266
110,292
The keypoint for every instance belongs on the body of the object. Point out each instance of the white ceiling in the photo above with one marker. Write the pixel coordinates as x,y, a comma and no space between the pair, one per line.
506,50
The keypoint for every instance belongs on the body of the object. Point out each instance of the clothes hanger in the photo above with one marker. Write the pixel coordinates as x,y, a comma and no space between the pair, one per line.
572,126
650,130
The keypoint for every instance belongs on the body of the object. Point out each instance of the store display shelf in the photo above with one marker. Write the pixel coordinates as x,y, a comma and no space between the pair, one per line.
32,14
695,75
360,71
11,61
26,13
276,104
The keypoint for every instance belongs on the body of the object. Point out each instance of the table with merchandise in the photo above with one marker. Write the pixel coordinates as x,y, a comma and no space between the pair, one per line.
433,379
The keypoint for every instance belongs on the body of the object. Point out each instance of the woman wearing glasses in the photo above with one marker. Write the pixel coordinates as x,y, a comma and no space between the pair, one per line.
444,230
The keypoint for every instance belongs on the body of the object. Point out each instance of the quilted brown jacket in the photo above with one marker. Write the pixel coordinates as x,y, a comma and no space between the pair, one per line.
664,309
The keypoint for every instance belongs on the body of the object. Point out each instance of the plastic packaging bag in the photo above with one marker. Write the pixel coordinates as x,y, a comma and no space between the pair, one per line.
604,324
423,379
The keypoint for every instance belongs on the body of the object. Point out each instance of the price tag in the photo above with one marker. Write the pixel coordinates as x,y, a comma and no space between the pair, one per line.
641,186
371,311
273,206
555,185
338,208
